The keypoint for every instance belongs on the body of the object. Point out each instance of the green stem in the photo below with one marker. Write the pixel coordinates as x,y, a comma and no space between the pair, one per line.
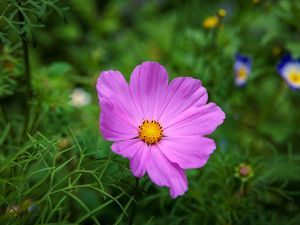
133,212
27,74
4,112
242,188
269,109
4,11
6,118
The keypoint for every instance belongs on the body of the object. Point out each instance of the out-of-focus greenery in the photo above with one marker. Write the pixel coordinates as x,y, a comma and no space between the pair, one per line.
56,169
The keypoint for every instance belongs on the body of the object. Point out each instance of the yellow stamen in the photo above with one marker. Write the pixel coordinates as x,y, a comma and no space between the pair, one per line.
294,77
150,132
242,73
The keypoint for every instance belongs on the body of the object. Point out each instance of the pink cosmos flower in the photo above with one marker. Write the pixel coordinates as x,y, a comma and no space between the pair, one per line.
159,127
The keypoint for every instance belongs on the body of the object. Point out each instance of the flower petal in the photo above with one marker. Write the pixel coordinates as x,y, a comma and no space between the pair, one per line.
136,151
188,152
112,87
284,61
148,86
195,121
183,93
165,173
114,124
119,118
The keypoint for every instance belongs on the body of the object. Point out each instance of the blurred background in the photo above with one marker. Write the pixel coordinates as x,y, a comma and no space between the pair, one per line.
55,168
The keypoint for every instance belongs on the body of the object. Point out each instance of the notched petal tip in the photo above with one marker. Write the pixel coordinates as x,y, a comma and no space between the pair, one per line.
151,63
219,114
150,66
109,82
179,189
148,86
175,194
222,114
104,75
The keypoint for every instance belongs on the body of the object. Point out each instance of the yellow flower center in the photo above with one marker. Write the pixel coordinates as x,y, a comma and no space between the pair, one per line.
242,73
150,132
294,77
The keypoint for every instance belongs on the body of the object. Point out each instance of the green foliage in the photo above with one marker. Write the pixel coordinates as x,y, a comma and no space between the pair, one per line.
54,180
23,16
56,169
10,70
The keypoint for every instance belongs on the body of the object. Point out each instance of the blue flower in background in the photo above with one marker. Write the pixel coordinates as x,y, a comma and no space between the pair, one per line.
289,69
242,68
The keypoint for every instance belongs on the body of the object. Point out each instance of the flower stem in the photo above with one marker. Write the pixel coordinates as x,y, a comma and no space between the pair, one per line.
133,212
27,74
4,114
6,118
242,189
272,103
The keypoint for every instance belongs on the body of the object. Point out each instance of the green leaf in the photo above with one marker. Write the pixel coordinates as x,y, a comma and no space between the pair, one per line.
59,68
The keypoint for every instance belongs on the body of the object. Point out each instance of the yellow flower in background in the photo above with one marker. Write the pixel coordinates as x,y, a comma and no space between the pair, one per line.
211,22
222,12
